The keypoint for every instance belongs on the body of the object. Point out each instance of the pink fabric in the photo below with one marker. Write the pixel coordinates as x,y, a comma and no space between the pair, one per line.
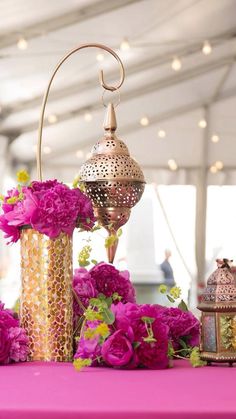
57,391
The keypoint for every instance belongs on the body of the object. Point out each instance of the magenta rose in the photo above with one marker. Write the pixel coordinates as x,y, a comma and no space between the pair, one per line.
154,355
182,325
84,287
19,344
5,344
117,350
109,280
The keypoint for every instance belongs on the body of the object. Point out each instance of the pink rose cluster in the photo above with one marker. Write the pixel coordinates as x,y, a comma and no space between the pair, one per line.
49,207
139,336
13,339
101,279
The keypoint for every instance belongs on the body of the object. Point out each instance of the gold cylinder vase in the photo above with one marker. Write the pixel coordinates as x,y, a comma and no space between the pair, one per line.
46,297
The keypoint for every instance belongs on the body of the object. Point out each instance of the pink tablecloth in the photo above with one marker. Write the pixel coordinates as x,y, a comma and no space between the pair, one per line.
56,391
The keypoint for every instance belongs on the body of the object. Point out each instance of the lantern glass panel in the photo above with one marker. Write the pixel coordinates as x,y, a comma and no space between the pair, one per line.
209,333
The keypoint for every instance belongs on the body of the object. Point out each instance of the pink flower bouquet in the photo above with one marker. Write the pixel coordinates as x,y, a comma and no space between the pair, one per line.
49,207
119,333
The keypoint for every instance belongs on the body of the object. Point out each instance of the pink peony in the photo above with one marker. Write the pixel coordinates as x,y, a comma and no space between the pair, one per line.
10,232
19,344
13,340
117,350
182,325
89,348
49,207
58,211
84,287
154,355
109,281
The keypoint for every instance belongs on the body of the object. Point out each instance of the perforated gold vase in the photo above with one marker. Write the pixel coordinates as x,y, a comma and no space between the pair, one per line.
46,297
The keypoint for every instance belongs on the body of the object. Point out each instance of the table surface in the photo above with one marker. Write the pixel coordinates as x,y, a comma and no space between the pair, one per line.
56,391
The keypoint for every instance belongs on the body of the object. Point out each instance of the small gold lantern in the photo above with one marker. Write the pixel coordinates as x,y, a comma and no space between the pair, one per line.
113,180
218,321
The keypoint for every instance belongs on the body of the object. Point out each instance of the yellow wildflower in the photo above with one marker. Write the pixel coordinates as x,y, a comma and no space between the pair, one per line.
80,363
76,182
163,289
23,176
103,330
1,197
12,200
92,315
175,292
89,333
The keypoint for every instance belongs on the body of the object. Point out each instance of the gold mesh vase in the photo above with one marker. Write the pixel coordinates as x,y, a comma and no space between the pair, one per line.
46,297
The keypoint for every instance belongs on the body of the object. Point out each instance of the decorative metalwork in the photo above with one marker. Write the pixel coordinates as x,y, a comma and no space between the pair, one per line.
112,179
46,297
218,306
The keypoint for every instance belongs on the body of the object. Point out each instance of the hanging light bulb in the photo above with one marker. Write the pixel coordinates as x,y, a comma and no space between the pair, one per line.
52,119
202,123
161,133
219,165
176,64
206,48
22,43
213,169
144,121
88,117
125,46
215,138
100,57
172,164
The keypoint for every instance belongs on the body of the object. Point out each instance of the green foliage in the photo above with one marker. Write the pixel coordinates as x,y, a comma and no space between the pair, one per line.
183,306
84,255
195,359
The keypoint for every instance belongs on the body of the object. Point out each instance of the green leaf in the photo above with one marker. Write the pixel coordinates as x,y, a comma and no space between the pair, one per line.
183,344
94,262
136,345
183,306
108,316
148,320
119,232
170,298
109,301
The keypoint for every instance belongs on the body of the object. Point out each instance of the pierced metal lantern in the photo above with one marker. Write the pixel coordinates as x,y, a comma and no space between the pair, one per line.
218,321
112,179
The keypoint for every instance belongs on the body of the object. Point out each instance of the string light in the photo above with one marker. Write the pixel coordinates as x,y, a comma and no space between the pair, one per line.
47,150
144,121
22,43
176,64
219,165
125,46
206,48
52,119
100,57
202,123
161,133
88,117
215,138
172,164
79,154
213,169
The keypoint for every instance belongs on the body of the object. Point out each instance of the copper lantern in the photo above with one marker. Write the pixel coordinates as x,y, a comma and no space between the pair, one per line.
218,319
113,180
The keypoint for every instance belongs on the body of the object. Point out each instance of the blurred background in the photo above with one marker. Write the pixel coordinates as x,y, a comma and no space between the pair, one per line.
177,116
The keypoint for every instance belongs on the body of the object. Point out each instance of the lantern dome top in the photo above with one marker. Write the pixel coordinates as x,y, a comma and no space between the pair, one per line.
221,285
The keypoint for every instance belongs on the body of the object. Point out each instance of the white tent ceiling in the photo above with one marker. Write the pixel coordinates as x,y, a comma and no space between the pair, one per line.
157,30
